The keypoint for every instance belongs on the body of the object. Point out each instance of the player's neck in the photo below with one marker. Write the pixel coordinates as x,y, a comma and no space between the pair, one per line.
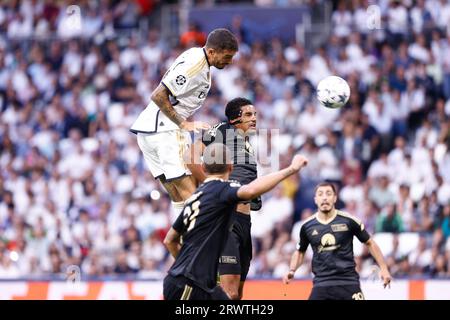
326,217
240,131
217,176
208,56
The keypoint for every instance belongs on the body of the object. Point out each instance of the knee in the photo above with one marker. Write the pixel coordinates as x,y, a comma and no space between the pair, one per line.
234,295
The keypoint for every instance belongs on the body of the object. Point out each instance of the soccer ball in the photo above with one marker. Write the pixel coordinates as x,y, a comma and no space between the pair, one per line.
333,92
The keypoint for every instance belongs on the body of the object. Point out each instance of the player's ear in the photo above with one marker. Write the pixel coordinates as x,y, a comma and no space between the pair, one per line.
237,125
210,51
229,167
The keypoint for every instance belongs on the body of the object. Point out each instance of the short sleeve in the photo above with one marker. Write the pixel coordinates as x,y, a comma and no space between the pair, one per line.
303,243
359,230
208,137
178,225
229,192
181,77
214,134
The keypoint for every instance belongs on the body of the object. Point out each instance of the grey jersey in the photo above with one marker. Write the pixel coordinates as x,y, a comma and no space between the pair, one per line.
244,161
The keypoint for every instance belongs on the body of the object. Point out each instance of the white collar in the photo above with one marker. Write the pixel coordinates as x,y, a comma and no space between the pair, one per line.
212,179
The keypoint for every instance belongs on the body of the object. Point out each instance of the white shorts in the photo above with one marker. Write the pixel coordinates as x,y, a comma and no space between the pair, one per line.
163,153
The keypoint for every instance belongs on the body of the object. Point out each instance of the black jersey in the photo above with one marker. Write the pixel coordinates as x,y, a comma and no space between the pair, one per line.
204,224
332,243
244,162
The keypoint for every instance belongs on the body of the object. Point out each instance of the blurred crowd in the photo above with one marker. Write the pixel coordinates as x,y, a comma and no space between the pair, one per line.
74,189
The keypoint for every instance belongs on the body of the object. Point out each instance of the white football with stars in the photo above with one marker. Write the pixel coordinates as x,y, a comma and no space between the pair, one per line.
333,92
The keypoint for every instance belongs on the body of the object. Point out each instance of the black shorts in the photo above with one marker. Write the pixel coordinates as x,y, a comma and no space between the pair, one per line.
237,253
345,292
181,288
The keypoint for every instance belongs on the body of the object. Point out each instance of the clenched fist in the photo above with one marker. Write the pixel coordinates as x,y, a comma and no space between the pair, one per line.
298,162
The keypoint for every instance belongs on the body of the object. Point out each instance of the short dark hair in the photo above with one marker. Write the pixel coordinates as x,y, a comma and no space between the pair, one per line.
233,107
222,39
326,184
216,157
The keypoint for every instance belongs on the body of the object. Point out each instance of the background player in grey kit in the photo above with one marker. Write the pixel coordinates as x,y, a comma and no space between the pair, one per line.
204,225
235,259
330,233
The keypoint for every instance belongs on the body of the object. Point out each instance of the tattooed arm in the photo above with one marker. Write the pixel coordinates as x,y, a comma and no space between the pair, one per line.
160,96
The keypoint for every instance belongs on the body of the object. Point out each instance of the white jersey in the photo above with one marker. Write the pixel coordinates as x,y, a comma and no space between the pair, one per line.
188,81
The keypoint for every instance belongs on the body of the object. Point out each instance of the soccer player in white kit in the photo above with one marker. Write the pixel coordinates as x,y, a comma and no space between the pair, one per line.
162,128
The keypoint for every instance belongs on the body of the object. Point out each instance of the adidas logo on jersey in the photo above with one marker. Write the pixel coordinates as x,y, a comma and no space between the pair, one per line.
314,233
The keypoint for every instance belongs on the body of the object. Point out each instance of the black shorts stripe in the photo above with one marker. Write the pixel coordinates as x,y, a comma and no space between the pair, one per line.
148,132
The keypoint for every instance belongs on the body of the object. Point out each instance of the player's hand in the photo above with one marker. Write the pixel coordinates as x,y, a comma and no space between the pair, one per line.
298,162
195,126
288,276
386,277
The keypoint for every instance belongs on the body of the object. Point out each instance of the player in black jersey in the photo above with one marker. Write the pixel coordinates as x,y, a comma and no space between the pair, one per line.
234,262
330,233
205,222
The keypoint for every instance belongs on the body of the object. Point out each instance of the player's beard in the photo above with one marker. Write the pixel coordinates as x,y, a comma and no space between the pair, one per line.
326,211
221,65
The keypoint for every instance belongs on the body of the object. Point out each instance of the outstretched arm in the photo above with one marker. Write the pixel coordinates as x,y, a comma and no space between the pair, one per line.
375,251
268,182
296,261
